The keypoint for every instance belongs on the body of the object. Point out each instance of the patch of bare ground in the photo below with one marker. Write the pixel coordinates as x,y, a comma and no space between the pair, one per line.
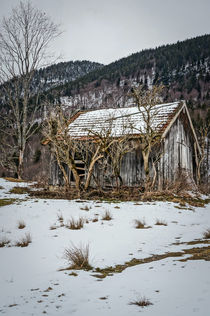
198,253
4,202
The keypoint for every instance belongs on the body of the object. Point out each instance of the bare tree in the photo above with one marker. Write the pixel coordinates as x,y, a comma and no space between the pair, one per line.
24,46
203,139
149,134
63,146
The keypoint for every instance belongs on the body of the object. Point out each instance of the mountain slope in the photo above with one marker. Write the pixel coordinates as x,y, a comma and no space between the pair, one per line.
184,68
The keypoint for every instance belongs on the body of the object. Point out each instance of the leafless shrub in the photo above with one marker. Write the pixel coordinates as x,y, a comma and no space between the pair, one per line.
24,241
95,219
160,222
4,241
206,234
75,224
21,224
107,216
78,257
142,302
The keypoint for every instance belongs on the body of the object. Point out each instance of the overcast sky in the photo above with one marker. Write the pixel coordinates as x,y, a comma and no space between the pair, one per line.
106,30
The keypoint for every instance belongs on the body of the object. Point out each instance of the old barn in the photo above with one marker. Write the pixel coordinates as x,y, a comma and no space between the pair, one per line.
177,152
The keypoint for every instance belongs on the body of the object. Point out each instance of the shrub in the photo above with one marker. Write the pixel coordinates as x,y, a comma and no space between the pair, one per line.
141,302
21,224
24,241
75,224
78,257
206,234
4,241
107,216
160,222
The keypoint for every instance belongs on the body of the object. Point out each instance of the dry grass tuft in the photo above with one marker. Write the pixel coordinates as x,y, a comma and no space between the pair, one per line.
107,216
4,241
60,217
21,224
85,208
78,257
75,224
142,302
206,234
24,241
140,224
53,227
160,222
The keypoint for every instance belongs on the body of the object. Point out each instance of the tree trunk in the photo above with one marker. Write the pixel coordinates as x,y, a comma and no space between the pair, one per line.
145,155
20,164
90,170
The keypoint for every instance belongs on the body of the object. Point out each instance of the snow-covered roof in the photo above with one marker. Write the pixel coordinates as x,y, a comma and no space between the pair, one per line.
120,121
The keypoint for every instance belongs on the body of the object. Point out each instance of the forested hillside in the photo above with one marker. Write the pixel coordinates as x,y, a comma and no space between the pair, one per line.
184,68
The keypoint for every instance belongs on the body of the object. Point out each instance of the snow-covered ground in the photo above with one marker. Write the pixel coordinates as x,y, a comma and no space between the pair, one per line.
31,283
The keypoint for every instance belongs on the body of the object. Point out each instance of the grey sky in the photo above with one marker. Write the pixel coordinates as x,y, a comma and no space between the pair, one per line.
107,30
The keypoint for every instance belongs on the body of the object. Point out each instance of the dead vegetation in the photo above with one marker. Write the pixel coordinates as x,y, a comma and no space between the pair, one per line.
75,223
184,199
142,302
21,224
4,241
24,241
107,216
60,217
78,257
140,224
197,253
19,190
4,202
160,222
85,208
206,234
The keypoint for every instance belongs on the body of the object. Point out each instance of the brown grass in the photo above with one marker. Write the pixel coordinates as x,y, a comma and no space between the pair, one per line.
140,224
78,257
24,241
160,222
107,216
4,202
14,179
60,217
4,241
75,224
19,190
142,302
21,224
85,208
206,234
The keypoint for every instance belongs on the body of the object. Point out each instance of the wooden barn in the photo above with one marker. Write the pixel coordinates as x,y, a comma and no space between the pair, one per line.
178,145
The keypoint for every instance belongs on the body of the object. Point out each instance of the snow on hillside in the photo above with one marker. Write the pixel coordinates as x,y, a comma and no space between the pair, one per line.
31,283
